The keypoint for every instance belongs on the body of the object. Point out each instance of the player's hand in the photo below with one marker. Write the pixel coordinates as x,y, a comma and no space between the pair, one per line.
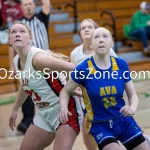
77,92
63,115
12,119
127,111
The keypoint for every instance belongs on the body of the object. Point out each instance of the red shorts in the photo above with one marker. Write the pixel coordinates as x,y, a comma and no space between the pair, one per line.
73,121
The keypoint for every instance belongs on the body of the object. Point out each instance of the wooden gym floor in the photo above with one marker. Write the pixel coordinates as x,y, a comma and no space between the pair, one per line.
11,140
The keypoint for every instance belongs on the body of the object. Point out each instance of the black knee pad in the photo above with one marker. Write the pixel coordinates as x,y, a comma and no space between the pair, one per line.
135,142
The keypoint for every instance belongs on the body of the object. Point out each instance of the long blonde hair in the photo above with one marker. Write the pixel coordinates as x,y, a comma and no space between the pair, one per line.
56,55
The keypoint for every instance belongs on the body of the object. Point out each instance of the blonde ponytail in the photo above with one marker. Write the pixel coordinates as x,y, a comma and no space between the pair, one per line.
58,55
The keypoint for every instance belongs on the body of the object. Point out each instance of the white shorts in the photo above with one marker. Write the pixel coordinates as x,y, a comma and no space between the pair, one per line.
47,119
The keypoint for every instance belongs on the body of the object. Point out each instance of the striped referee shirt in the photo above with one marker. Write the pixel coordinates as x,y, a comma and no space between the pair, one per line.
39,27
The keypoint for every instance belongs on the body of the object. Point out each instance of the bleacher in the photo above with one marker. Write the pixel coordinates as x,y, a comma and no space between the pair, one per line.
61,27
6,85
122,12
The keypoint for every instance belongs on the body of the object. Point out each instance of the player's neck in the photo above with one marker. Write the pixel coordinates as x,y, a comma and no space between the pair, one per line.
87,48
103,61
23,52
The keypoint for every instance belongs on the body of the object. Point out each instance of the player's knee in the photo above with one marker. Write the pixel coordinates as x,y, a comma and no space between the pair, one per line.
66,146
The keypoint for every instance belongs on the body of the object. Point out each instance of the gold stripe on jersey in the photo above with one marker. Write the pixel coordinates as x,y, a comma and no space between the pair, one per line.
114,64
90,66
88,106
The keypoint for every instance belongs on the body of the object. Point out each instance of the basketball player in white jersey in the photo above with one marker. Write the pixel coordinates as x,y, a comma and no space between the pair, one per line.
84,51
44,88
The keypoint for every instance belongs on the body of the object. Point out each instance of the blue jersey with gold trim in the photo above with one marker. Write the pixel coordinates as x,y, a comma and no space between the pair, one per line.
102,89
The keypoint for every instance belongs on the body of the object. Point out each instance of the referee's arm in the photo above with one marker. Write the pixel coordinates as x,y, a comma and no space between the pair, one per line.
46,6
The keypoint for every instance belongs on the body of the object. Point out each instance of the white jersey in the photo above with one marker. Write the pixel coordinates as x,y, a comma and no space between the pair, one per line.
77,55
40,86
43,88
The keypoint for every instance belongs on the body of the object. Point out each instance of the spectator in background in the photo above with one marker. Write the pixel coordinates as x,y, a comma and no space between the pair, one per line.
1,6
11,11
38,24
140,25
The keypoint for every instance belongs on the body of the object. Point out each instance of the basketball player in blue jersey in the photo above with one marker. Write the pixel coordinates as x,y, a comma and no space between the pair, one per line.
79,54
104,79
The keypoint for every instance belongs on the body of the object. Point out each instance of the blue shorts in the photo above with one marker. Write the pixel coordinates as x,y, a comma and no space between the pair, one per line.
124,129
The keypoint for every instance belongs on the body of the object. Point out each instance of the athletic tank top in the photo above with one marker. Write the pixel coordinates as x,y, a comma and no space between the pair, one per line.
42,87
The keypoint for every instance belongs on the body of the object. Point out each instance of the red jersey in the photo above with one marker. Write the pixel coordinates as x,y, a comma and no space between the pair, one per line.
15,12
